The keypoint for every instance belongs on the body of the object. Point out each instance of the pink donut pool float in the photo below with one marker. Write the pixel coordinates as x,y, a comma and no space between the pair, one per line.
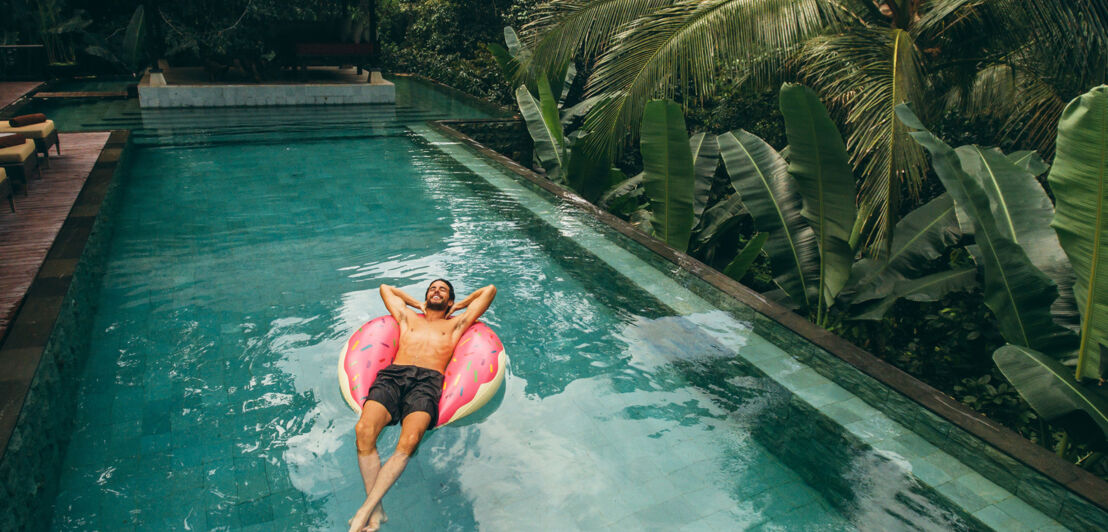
473,375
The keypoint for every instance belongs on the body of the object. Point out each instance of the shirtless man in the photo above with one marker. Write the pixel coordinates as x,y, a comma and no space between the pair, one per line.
408,391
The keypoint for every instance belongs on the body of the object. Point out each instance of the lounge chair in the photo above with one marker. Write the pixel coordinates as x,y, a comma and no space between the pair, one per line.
20,162
44,134
6,188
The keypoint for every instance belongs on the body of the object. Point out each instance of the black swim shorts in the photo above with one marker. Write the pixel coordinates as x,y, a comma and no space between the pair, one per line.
406,389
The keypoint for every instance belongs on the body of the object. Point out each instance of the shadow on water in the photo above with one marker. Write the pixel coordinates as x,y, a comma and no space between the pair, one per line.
874,490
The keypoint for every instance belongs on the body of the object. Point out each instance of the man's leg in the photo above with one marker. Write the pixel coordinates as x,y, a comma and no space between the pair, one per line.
411,432
374,418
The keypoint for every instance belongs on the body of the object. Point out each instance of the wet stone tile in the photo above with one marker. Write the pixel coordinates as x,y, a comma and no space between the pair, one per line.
1046,494
1079,514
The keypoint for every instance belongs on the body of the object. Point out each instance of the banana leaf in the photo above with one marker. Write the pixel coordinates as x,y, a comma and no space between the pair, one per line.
1049,387
821,166
1029,160
738,267
717,219
1015,290
705,156
509,67
555,80
515,47
589,174
134,41
924,289
720,223
549,109
561,78
632,186
769,193
569,116
1023,212
1079,180
547,145
922,236
668,172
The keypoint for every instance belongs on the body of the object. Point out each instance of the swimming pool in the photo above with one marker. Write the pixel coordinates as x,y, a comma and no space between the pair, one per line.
249,245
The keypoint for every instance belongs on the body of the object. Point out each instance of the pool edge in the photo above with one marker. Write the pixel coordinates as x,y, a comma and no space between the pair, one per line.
55,292
1088,486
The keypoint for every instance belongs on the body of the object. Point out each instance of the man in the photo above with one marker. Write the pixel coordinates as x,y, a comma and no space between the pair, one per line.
408,391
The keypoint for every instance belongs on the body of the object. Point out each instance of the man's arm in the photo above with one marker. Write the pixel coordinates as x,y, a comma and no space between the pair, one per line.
475,304
397,301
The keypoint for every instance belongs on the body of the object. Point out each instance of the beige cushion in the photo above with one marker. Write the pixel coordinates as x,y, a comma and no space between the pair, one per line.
33,131
17,154
3,175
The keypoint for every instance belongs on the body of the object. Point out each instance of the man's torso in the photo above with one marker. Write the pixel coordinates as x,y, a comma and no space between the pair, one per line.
426,343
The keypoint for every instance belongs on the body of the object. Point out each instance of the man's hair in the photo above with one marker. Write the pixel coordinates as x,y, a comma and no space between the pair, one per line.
448,285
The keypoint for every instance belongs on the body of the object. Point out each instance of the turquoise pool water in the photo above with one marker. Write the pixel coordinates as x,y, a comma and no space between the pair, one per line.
250,244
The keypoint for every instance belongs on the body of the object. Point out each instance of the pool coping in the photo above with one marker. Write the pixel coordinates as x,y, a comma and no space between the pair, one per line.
483,104
24,343
1077,480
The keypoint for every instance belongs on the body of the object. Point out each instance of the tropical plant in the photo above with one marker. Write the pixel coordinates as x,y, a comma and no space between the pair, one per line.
131,54
1023,266
864,56
60,34
676,182
806,206
560,155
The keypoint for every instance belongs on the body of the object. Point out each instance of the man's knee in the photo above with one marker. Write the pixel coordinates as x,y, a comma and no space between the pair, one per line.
408,443
366,436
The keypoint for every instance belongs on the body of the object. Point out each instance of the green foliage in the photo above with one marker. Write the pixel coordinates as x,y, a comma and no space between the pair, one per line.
445,40
919,238
549,143
745,259
1017,292
820,165
1079,179
760,175
995,397
134,45
1053,392
1015,61
668,172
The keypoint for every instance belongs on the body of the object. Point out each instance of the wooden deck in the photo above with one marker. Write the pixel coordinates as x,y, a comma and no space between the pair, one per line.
27,234
11,91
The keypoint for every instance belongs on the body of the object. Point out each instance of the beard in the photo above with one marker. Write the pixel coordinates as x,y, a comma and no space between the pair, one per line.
438,306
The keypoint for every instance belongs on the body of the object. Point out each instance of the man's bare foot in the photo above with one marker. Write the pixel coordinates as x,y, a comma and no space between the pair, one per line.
359,521
378,517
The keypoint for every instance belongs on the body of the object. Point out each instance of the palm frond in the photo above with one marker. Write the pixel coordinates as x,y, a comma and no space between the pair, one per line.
684,45
939,17
991,93
561,29
866,74
1034,120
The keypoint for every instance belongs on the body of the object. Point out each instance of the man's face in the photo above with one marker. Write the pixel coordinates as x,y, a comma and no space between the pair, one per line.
438,296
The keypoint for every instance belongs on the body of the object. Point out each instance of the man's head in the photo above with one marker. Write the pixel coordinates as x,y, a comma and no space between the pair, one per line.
440,295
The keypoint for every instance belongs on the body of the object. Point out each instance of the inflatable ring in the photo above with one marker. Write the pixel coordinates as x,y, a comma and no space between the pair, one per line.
472,377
